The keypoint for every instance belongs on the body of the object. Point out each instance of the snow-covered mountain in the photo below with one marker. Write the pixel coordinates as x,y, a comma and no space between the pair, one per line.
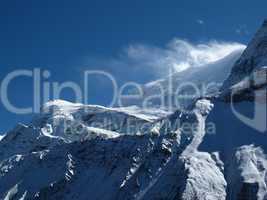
75,151
36,164
253,58
206,79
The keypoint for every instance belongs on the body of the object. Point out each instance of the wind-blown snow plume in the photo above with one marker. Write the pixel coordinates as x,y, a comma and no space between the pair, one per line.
180,54
1,137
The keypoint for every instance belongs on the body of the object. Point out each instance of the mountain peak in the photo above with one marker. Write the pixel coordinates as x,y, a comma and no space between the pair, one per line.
253,58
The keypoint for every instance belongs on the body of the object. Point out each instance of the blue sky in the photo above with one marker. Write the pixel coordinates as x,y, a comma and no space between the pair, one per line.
67,37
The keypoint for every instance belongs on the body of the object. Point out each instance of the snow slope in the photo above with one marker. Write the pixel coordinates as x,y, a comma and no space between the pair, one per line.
207,79
76,121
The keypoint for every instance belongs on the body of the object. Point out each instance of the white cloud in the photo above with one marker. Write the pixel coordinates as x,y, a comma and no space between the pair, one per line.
178,54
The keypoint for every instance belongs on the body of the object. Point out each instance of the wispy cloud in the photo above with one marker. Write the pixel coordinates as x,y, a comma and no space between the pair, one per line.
177,55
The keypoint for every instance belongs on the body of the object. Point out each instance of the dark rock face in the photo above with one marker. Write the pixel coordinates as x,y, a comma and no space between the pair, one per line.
246,89
248,191
254,57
